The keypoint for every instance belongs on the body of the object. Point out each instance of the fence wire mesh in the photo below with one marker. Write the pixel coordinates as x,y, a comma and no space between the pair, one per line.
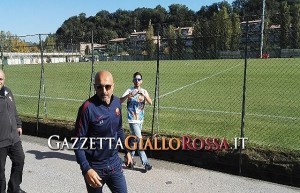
197,74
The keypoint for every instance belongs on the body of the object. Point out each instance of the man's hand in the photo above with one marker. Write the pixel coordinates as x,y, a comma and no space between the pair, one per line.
93,179
141,92
19,130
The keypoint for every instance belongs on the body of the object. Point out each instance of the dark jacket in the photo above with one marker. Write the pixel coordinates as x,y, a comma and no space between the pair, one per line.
96,119
9,119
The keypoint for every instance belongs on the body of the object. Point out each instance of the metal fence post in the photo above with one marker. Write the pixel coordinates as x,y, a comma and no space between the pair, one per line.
93,67
42,87
156,92
243,102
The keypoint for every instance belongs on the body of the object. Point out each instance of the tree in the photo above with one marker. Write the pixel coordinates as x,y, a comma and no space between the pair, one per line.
3,41
197,40
123,23
72,30
248,8
207,38
180,45
103,35
149,45
296,26
159,15
207,12
239,7
180,15
50,43
170,41
87,50
18,45
201,39
284,25
252,8
236,32
104,19
34,47
13,43
143,16
215,27
225,33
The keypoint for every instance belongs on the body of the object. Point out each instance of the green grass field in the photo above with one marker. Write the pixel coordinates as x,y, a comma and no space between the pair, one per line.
196,97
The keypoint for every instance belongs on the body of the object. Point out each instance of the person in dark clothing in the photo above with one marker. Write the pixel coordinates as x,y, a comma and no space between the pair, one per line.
10,141
99,120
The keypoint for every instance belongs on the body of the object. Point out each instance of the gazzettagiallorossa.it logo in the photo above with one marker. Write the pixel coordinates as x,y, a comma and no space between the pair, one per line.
157,144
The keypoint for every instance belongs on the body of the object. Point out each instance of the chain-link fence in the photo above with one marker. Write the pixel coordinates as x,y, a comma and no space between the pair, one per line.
226,82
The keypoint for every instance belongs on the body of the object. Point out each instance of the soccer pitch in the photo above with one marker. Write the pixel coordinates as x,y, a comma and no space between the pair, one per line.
196,97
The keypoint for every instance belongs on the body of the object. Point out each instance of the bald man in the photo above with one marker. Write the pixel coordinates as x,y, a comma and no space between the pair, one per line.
10,141
99,120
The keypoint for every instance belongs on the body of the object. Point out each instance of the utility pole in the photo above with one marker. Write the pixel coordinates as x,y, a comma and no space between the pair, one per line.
262,28
1,57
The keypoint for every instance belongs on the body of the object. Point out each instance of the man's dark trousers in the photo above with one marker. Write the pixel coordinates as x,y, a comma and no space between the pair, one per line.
17,156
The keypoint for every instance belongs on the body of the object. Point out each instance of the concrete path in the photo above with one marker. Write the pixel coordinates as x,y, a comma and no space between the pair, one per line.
48,171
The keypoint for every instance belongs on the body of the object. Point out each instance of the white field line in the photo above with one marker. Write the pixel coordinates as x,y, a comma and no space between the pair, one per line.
183,109
55,98
233,113
188,85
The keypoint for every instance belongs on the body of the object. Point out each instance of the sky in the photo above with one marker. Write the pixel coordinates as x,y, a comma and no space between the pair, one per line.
29,17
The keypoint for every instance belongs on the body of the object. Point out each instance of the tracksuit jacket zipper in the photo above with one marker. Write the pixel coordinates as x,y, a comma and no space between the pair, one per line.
9,118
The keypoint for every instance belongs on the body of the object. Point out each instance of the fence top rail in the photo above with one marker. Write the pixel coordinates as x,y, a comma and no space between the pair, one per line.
11,54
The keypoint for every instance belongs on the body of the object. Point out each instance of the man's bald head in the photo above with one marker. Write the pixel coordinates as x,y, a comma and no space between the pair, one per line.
104,85
2,79
2,73
104,76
